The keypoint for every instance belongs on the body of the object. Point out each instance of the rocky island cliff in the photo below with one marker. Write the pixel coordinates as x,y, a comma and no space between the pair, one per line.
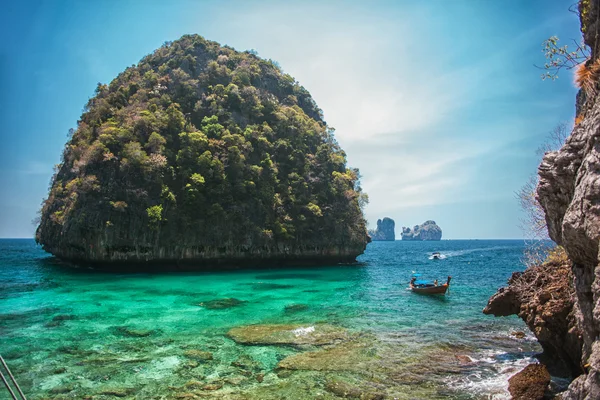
202,154
562,306
428,230
385,230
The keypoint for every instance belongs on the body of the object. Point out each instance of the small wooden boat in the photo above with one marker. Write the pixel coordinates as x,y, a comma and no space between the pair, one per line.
429,288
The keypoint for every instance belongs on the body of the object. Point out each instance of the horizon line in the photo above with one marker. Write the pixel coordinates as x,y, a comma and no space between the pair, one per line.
395,240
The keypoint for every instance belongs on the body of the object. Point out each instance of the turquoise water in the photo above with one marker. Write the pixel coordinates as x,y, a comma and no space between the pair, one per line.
72,333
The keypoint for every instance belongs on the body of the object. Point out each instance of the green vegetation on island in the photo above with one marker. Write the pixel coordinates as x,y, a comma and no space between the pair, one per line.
203,153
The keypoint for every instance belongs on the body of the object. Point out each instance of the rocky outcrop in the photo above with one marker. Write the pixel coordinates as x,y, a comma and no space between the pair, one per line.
543,297
385,230
203,156
426,231
529,384
569,193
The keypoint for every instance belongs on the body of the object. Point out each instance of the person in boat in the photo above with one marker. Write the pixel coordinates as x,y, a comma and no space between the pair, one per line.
435,283
412,281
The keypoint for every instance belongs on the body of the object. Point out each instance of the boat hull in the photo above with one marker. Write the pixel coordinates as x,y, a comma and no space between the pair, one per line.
430,290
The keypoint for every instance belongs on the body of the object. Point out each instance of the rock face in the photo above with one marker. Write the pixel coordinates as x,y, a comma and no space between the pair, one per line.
543,297
530,383
426,231
569,192
385,230
203,155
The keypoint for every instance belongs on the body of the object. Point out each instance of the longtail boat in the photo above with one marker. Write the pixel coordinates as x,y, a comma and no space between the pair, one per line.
428,288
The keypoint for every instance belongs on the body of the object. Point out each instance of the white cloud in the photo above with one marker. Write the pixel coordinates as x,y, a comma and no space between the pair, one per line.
398,109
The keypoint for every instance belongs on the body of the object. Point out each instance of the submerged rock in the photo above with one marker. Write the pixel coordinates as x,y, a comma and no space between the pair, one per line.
198,355
348,391
134,333
62,389
118,392
220,304
385,230
270,286
64,317
292,308
354,356
284,373
529,384
193,384
247,363
429,230
212,386
186,395
288,334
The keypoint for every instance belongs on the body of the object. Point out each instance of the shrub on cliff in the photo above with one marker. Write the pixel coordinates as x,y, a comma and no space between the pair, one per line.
201,145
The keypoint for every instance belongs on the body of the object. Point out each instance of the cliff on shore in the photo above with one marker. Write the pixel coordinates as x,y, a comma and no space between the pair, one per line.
569,193
544,297
201,154
385,230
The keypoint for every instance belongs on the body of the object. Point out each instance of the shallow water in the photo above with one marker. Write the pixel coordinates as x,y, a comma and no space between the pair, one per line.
68,333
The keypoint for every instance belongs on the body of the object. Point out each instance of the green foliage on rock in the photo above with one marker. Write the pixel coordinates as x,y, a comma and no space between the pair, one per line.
201,145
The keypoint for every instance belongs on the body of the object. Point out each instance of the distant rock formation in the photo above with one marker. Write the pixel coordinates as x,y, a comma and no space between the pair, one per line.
385,230
427,231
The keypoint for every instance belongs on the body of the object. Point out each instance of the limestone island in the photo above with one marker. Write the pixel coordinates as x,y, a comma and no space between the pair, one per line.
385,230
428,230
201,155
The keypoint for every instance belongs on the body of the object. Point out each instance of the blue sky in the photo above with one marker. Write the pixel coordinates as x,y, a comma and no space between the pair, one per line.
438,103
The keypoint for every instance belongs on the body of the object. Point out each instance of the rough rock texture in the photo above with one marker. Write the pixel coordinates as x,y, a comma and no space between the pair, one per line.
426,231
385,230
203,156
288,334
543,297
569,192
529,384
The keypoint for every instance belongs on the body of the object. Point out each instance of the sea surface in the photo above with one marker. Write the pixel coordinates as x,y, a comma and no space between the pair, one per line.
77,333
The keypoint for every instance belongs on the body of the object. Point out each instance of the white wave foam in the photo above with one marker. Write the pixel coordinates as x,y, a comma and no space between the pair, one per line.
456,253
490,378
303,331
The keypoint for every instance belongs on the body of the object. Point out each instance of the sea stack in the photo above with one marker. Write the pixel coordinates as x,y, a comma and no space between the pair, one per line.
385,230
203,155
426,231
